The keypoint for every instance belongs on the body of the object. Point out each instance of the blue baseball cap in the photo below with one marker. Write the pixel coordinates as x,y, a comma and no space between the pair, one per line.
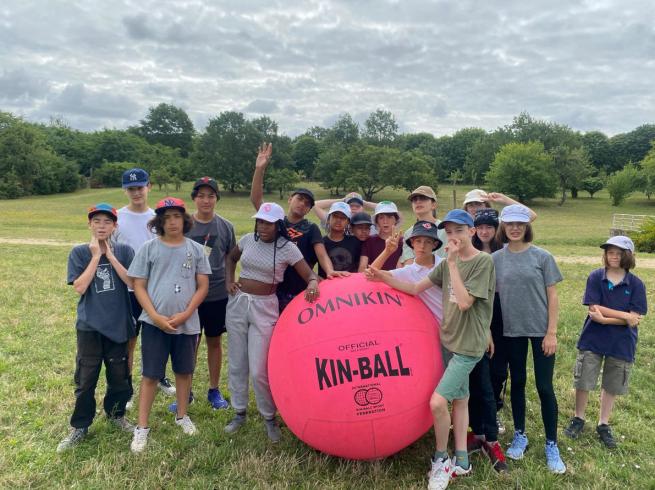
458,216
104,208
135,177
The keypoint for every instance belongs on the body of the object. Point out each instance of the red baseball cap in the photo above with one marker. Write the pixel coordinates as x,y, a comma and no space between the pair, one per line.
170,203
103,207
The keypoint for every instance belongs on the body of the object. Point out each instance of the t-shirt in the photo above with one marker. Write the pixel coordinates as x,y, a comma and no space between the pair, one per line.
133,227
171,275
305,235
267,262
105,305
432,297
467,332
217,239
374,245
521,281
408,253
344,254
618,341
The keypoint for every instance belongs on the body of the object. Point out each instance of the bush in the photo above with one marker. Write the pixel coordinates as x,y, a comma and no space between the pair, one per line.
622,183
110,174
645,239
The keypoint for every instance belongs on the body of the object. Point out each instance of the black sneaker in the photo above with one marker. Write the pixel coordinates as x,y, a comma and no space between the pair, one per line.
605,433
575,427
166,386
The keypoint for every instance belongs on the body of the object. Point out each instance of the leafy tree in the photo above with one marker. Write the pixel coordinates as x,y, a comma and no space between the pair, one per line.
429,146
525,128
169,126
305,153
380,128
344,132
622,183
592,185
571,165
283,180
599,149
161,177
317,132
371,168
632,146
648,171
456,148
329,171
110,174
414,170
523,170
482,153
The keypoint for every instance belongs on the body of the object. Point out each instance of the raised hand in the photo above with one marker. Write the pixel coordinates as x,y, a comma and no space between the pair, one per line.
264,155
391,243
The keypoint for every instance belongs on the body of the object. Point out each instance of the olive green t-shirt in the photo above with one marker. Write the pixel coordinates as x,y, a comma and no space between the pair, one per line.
467,332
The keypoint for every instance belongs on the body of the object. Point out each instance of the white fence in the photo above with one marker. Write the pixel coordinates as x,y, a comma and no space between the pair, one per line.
622,224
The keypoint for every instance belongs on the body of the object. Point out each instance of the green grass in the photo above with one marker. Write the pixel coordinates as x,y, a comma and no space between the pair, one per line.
37,350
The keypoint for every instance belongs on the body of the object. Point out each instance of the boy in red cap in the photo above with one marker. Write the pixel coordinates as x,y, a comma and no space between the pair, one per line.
98,272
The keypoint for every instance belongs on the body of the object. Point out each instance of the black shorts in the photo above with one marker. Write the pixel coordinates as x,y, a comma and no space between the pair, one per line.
136,312
157,346
212,317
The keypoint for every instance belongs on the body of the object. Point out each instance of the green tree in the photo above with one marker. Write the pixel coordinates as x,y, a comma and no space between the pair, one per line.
168,125
329,171
525,128
305,153
622,183
413,170
455,149
282,180
161,177
371,168
648,171
482,153
344,132
380,128
592,185
632,146
110,174
599,149
523,170
571,165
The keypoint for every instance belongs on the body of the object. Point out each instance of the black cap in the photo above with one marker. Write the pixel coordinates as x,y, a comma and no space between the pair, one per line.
205,181
486,216
424,228
305,192
361,218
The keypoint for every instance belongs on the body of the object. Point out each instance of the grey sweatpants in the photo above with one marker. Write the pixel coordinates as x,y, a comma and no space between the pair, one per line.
250,320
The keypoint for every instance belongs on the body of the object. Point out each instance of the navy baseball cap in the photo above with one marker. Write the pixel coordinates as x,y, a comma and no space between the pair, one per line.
458,216
135,177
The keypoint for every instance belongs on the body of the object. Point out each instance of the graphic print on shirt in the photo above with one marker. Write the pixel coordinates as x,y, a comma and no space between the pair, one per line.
341,258
294,234
104,279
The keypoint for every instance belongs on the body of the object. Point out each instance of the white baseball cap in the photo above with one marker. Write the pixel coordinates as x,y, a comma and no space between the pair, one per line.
476,195
385,207
620,241
340,207
270,211
515,213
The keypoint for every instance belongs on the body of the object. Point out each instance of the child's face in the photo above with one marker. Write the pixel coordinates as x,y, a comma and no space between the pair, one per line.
460,232
485,233
472,207
422,246
173,223
338,222
205,200
138,195
515,231
299,204
385,222
614,255
361,232
101,226
422,205
267,231
355,207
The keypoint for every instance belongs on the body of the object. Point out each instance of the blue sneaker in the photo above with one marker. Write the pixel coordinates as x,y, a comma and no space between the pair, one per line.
216,400
553,460
518,446
173,406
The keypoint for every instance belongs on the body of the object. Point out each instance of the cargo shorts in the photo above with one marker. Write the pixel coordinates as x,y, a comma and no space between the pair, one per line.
616,373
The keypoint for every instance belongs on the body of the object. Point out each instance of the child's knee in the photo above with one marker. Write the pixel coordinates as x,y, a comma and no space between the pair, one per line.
438,404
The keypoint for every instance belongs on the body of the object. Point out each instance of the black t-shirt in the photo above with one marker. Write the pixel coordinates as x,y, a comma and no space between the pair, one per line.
305,235
344,254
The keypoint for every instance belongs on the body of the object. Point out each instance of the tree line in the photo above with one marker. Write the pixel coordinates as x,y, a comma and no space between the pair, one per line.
527,158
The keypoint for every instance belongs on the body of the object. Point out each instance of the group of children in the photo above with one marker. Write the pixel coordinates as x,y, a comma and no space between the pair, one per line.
172,275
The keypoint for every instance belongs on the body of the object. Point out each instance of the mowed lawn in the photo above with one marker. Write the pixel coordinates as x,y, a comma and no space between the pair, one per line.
37,350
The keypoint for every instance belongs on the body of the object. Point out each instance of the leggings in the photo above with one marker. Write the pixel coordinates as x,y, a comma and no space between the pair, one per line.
498,364
543,374
482,405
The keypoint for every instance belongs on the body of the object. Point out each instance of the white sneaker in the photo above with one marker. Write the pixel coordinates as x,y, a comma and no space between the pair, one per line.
129,404
440,474
187,426
166,387
456,470
139,440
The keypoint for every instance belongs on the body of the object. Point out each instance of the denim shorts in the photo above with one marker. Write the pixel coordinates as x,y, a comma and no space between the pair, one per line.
157,346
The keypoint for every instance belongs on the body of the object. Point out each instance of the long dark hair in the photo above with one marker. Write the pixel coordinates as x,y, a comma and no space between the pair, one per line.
494,243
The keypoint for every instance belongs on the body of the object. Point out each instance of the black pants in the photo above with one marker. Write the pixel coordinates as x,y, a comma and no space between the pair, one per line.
543,374
499,362
482,404
92,350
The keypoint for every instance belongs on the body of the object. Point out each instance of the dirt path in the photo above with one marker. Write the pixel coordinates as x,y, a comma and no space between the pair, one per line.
35,241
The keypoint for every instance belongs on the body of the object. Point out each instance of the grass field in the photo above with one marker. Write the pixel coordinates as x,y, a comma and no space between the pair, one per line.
37,349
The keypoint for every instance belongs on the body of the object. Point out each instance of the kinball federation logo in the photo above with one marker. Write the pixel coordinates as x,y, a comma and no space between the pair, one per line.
368,396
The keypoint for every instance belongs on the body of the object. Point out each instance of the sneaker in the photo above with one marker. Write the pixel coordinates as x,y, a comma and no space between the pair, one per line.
605,433
518,447
456,470
188,427
122,423
173,406
273,430
236,423
72,439
140,439
494,452
166,386
216,399
473,443
553,460
129,404
499,423
440,474
575,427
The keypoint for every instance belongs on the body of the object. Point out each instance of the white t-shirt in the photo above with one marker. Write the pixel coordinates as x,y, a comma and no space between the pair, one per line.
133,228
433,296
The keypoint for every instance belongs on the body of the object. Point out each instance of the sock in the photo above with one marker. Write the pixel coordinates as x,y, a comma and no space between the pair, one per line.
440,455
462,459
551,443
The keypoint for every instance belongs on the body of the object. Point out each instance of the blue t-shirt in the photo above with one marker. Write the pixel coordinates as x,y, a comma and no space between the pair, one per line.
618,341
105,305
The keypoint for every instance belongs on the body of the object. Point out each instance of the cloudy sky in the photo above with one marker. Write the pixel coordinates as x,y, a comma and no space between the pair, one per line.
439,66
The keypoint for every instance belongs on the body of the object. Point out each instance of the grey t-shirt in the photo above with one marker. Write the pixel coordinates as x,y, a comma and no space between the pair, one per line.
217,239
171,275
521,282
408,253
105,305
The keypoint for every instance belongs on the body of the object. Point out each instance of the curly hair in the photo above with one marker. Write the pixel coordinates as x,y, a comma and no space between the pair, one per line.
156,224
